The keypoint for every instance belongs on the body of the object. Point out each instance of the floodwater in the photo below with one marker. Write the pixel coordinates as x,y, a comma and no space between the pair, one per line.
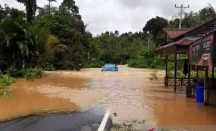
129,94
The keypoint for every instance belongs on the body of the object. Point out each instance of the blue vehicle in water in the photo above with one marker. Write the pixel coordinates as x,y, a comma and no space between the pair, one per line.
110,67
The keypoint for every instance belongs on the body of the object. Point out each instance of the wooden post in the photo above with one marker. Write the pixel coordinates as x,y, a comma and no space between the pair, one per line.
212,73
175,72
206,86
166,77
189,74
166,65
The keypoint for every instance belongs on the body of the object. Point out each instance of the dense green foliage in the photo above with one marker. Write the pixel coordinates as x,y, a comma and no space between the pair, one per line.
147,58
31,74
114,48
6,80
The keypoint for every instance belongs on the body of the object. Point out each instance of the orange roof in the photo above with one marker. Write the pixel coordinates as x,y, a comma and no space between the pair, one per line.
182,42
174,32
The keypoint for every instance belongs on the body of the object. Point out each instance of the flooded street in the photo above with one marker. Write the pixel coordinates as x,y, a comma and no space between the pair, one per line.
129,94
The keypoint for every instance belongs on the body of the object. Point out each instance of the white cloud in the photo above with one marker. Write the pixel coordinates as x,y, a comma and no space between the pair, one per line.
123,15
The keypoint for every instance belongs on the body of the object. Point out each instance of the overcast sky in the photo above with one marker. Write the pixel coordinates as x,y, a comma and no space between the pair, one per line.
123,15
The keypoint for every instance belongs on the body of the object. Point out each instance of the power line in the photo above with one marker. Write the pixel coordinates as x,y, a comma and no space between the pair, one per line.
182,7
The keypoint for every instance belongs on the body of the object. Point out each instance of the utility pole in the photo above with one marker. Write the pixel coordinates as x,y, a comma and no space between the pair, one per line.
50,5
182,7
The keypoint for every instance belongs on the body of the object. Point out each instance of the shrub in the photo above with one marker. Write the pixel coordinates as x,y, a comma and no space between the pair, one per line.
12,71
154,75
31,74
48,66
22,72
157,63
6,80
93,64
137,63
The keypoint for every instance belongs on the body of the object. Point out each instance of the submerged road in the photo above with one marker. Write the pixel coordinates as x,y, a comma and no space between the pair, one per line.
132,98
81,121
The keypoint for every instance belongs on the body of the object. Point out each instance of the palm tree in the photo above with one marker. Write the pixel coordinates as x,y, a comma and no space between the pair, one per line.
31,7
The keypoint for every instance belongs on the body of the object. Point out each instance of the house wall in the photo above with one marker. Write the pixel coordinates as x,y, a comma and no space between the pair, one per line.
210,92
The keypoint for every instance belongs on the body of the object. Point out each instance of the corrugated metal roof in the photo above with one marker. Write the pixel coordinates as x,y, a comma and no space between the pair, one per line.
186,41
174,32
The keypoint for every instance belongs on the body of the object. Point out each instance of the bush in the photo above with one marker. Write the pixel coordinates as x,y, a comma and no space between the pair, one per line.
93,64
48,66
6,80
12,71
31,74
158,63
137,63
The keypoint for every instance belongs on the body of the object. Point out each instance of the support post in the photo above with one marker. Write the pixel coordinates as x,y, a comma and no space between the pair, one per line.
166,77
189,74
206,86
175,81
212,72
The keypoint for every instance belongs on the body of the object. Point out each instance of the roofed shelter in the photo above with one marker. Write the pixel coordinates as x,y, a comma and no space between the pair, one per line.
171,33
202,52
178,41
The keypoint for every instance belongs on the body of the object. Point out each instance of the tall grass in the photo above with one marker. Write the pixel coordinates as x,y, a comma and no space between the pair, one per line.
6,80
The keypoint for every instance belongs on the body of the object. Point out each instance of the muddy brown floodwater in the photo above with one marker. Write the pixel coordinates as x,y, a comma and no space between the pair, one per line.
128,93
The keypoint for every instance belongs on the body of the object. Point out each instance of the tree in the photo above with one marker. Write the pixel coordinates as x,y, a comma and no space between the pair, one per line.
190,20
207,12
17,40
31,7
4,12
46,10
70,5
116,33
70,31
193,19
155,26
